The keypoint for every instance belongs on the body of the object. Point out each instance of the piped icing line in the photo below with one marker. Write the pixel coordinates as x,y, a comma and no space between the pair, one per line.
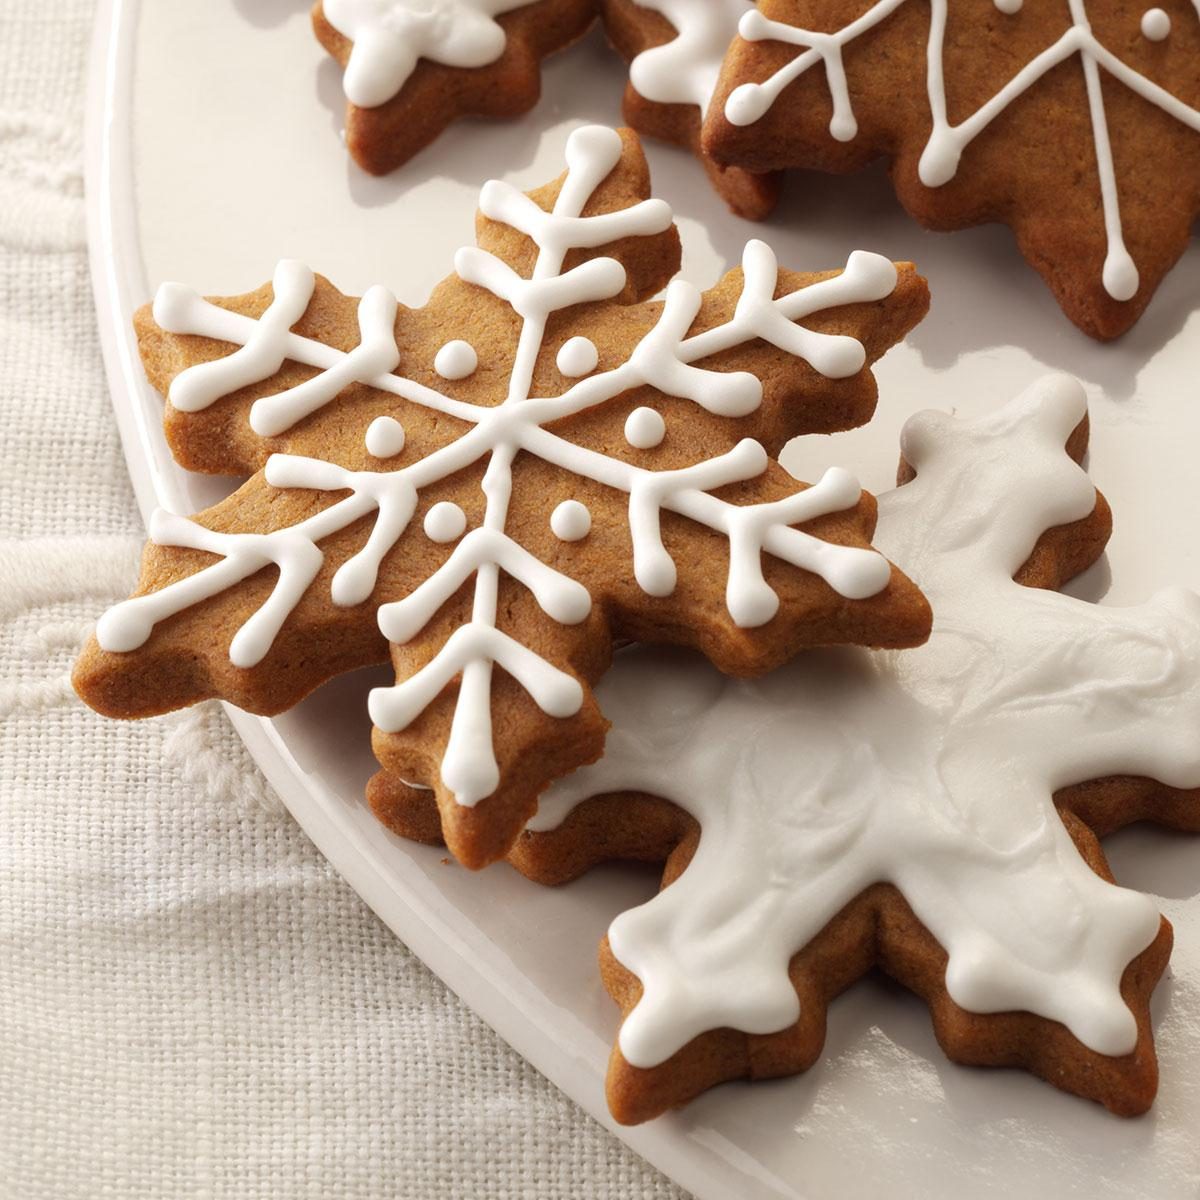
390,36
665,359
939,162
179,309
685,69
933,769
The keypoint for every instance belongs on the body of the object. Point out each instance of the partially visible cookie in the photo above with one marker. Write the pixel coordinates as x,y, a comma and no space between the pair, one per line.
933,813
497,487
1078,126
414,66
675,49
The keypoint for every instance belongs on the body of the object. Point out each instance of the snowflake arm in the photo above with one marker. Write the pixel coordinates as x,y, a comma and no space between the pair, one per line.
390,36
413,67
749,101
268,341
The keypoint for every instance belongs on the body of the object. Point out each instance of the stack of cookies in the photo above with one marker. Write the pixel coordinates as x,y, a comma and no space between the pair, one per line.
853,732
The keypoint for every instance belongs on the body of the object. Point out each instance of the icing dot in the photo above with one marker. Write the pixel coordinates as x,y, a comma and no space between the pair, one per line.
1120,274
1009,7
645,428
385,437
843,127
445,522
1156,24
577,356
571,521
747,103
456,360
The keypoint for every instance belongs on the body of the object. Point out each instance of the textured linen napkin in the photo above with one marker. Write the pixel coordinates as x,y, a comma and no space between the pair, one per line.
192,1003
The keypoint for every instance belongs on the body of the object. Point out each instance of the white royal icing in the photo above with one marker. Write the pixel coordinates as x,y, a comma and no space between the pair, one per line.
685,69
456,360
932,769
519,425
1156,25
947,142
645,428
445,522
385,437
266,342
571,521
389,37
577,356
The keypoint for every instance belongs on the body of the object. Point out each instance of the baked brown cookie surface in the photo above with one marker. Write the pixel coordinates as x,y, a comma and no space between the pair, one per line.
412,67
1076,124
497,487
675,49
933,813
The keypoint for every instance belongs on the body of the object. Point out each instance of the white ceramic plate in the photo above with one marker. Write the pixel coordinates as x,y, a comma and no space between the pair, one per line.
214,150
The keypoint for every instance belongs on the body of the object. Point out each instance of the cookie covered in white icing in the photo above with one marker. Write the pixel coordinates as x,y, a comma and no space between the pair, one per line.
932,812
412,67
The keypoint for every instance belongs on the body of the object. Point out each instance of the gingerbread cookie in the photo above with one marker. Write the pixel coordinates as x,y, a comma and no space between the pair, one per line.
501,484
675,49
414,66
934,813
1075,123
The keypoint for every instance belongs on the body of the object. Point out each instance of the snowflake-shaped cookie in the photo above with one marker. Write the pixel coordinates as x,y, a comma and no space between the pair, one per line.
856,809
503,482
1075,122
412,67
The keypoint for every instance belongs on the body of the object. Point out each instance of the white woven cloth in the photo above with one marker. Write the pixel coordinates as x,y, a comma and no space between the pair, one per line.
192,1004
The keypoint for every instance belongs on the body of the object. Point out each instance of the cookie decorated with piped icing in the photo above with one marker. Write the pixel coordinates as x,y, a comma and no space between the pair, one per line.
497,487
1074,122
675,49
934,813
412,67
